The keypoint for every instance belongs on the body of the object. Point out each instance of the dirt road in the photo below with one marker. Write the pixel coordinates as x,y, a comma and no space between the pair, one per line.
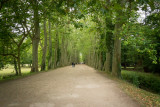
81,86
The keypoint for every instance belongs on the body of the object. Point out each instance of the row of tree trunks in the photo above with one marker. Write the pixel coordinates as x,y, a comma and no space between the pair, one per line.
56,50
50,60
62,58
44,48
66,61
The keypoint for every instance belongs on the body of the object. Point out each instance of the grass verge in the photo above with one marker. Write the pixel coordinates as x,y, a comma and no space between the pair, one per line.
145,98
13,76
8,74
146,81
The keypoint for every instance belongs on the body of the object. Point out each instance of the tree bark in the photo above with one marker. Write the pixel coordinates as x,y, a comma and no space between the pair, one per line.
43,66
66,53
36,38
50,60
100,61
96,62
108,62
116,61
15,66
19,63
56,50
34,55
62,51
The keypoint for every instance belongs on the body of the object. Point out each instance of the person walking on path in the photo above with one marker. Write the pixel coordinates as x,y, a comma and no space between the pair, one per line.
73,64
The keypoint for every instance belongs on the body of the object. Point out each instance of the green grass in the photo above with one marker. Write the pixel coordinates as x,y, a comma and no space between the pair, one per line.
12,77
9,71
8,74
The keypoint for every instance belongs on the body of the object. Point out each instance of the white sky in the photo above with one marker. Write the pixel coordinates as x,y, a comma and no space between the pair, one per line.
142,14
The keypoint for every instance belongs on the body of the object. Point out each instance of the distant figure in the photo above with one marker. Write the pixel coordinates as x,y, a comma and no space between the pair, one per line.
73,64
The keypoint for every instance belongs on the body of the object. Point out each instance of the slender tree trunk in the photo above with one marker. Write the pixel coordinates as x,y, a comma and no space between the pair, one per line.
66,53
50,61
56,51
99,61
36,38
18,61
75,56
96,64
94,57
89,58
70,59
15,66
43,66
62,51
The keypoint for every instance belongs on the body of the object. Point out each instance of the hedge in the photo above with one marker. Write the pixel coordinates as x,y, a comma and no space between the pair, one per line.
142,80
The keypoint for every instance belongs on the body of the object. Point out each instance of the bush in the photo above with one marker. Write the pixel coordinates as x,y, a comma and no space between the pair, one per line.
145,81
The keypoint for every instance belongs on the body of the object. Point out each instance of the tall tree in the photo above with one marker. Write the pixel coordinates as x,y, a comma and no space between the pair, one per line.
44,48
50,59
36,35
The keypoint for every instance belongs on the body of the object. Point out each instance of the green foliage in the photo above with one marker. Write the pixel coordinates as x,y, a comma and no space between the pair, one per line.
140,42
145,81
87,27
26,57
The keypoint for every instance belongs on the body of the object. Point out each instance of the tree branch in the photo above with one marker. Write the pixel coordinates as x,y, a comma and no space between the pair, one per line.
21,41
28,31
9,55
13,40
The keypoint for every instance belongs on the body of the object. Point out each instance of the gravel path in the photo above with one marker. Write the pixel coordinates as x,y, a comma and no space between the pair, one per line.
81,86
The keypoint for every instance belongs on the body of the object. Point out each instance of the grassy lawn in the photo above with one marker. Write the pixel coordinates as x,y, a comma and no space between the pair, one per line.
9,71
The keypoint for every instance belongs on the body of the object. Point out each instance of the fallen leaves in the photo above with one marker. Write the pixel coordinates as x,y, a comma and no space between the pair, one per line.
145,98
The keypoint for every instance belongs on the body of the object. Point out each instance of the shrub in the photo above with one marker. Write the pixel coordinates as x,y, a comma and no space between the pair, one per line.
145,81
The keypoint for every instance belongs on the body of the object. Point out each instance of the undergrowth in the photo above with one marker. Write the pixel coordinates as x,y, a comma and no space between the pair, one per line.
142,80
145,98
